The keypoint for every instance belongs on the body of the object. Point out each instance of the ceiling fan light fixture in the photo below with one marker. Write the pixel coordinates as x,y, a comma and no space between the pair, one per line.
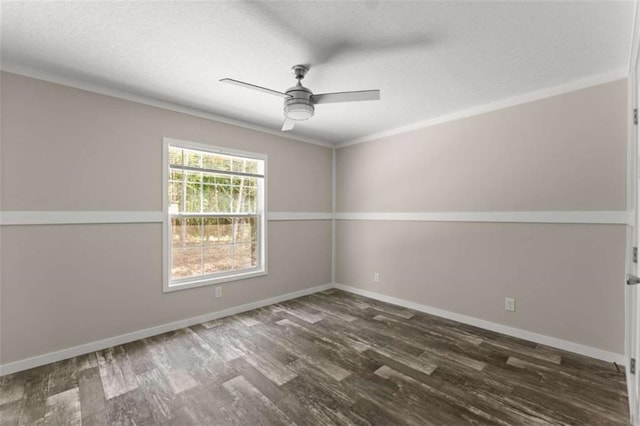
299,105
298,109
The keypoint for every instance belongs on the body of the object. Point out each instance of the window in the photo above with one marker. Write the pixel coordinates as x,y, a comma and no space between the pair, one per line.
214,206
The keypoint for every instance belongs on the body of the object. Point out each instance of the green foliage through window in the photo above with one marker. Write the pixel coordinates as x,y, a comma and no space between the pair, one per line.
215,211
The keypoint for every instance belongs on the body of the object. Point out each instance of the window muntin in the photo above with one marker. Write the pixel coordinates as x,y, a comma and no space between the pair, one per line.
215,207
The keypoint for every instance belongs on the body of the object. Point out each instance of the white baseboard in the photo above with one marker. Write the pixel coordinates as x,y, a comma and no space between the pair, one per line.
25,364
499,328
48,358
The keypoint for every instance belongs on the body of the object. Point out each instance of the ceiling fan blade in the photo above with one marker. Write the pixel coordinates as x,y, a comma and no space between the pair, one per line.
362,95
288,124
254,87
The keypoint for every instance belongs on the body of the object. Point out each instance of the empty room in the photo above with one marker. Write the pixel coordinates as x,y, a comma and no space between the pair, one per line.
319,212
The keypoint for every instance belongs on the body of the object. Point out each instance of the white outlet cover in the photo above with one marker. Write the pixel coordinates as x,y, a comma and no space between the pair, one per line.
376,277
509,304
218,291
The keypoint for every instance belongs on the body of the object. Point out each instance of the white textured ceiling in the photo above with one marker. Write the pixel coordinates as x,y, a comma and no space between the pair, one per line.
428,58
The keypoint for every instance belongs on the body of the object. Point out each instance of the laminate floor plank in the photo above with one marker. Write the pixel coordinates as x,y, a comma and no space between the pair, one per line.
139,356
442,406
261,343
444,341
268,314
376,415
375,337
397,364
303,348
333,358
444,330
258,380
322,407
217,340
10,413
329,331
12,388
205,405
212,366
324,382
304,312
115,372
172,367
339,304
91,392
86,361
63,408
130,408
308,301
329,358
63,376
433,350
375,390
159,396
263,361
36,391
575,386
252,407
538,353
98,419
193,354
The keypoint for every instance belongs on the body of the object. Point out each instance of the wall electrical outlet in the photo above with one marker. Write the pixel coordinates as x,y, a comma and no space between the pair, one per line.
509,304
376,277
218,292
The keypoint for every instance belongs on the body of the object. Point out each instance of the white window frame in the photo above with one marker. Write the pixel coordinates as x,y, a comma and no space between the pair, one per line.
261,270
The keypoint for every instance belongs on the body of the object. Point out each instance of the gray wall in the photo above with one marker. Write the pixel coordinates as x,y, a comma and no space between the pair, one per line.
65,149
565,153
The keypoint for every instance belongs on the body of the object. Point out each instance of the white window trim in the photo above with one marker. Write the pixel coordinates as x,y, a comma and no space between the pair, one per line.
166,223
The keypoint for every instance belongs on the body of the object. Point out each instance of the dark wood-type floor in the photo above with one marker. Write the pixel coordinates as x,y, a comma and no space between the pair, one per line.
329,358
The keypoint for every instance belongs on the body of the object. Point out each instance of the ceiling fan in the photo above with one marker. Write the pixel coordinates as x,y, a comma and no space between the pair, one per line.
299,101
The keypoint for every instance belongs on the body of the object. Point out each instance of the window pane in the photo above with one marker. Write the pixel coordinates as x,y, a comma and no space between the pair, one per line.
175,197
194,192
248,192
223,194
175,156
217,230
218,259
186,232
216,162
209,200
239,165
192,158
244,256
246,165
246,229
208,244
254,166
242,194
186,262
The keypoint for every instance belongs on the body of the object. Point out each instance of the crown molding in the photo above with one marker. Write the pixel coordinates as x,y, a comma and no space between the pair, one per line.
497,105
465,113
147,100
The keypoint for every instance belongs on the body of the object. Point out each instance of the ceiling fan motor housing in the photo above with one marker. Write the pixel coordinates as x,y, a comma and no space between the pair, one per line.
298,104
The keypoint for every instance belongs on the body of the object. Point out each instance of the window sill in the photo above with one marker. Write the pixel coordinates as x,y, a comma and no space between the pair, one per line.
212,281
